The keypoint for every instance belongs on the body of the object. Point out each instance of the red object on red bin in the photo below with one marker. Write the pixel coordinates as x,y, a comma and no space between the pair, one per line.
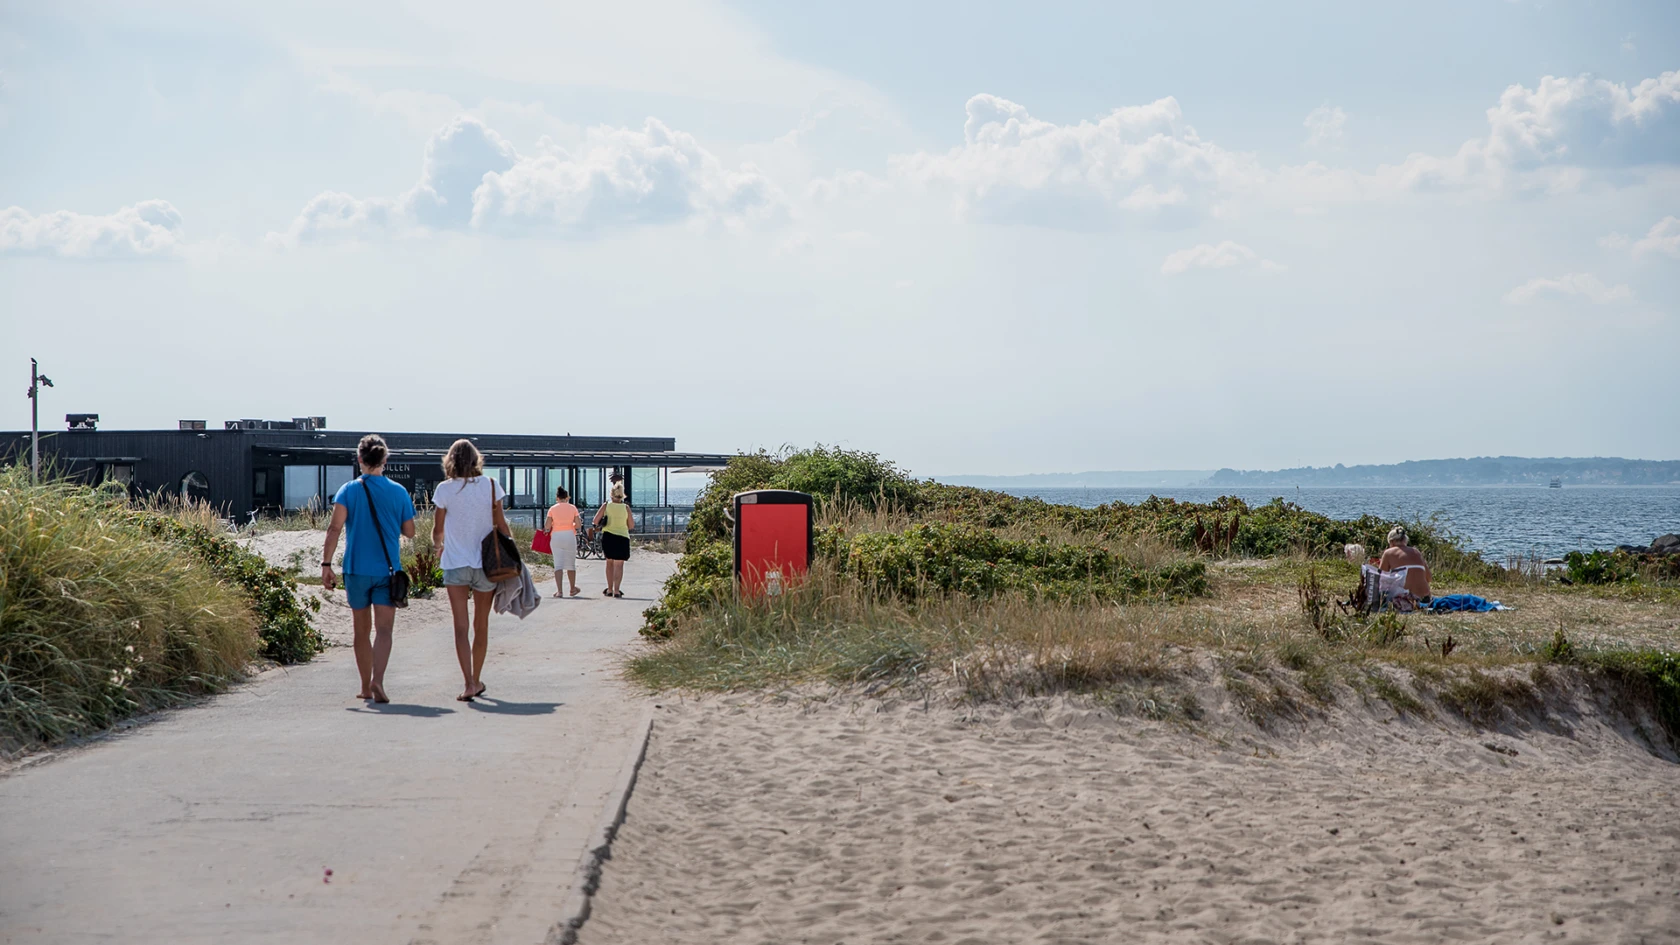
775,539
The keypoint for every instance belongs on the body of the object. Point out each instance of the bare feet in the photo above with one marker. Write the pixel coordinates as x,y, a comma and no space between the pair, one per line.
576,592
379,694
482,689
465,697
364,694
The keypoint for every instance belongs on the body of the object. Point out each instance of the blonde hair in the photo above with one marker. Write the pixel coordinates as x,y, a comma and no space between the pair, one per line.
463,461
1397,535
618,493
1355,552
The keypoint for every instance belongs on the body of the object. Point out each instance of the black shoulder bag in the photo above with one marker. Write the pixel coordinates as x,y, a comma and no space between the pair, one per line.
399,577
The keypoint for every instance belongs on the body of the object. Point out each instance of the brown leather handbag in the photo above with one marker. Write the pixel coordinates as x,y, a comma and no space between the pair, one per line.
500,554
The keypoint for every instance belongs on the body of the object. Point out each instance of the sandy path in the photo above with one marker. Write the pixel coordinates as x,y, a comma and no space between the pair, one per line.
443,822
855,823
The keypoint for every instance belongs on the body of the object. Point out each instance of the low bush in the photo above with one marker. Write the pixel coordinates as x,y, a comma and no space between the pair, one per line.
946,558
102,616
1600,567
288,635
828,474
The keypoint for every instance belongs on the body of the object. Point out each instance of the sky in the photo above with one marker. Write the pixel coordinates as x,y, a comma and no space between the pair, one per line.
973,237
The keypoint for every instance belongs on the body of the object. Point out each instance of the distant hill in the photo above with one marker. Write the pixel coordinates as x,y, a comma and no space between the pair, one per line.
1146,479
1480,471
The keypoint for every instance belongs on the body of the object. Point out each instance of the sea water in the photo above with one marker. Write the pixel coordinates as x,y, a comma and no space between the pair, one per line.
1495,520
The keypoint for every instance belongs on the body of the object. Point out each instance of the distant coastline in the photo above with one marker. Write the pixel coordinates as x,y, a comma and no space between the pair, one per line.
1146,479
1477,471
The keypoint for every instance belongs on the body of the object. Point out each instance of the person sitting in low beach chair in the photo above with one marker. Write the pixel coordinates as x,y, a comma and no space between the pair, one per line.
1407,562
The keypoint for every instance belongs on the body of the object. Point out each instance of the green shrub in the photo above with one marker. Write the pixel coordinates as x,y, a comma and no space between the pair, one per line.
849,476
702,576
287,634
101,617
1600,567
948,558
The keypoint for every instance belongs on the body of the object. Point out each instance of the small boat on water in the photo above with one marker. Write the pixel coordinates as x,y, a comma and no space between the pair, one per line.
1557,483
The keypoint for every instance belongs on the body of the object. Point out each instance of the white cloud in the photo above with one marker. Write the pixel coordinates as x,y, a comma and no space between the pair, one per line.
1324,126
1146,163
1137,161
1575,284
1225,255
1663,237
148,228
1572,122
473,178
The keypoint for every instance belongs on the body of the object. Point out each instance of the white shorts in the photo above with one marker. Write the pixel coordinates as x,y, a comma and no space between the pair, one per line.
564,545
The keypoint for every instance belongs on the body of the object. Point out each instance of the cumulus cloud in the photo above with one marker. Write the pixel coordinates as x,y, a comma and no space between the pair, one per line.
1580,122
148,228
1146,163
1139,161
1224,255
472,178
1324,126
1663,237
1572,285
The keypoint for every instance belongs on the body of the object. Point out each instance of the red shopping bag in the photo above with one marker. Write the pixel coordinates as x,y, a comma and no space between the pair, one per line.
539,543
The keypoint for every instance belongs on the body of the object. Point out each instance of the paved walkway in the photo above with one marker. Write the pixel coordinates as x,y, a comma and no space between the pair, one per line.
442,822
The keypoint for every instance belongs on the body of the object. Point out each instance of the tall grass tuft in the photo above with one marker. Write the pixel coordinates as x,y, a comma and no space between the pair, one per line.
99,618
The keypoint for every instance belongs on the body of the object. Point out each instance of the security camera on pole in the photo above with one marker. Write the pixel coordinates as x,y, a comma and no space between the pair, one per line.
37,380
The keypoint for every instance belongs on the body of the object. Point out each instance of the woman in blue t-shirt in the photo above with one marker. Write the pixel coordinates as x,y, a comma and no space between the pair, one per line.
367,566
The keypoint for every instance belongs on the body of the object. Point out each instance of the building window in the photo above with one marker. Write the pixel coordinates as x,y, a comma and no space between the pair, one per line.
335,478
523,487
259,484
644,485
195,486
557,479
120,473
589,485
303,487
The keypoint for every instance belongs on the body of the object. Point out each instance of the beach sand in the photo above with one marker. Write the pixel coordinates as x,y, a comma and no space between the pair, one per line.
853,819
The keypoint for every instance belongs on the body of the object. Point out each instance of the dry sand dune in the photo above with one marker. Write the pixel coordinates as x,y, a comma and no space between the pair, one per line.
859,821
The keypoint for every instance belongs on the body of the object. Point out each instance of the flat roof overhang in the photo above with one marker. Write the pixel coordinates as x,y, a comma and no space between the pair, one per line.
500,457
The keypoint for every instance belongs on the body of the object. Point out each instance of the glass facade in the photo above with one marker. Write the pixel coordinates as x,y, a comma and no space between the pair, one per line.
303,484
334,479
590,481
644,486
314,484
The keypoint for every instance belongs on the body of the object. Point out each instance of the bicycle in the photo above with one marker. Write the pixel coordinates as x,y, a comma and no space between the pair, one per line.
589,544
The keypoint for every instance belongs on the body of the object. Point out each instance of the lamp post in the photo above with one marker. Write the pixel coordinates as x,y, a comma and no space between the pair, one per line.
37,380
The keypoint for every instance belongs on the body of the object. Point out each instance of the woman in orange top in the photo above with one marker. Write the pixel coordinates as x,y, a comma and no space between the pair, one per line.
563,523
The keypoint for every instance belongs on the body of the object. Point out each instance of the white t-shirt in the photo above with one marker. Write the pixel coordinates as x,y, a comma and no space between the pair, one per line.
469,520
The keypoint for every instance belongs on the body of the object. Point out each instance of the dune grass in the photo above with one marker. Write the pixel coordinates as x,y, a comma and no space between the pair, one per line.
100,617
1146,606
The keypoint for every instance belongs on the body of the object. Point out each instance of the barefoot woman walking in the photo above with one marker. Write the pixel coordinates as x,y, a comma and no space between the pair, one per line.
376,510
468,506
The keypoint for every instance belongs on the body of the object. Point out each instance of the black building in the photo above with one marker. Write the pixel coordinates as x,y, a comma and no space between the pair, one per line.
276,466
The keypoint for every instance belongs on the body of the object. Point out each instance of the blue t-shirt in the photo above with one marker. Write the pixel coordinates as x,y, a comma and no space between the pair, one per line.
361,551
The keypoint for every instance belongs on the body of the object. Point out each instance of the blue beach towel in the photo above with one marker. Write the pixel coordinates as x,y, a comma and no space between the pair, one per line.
1470,603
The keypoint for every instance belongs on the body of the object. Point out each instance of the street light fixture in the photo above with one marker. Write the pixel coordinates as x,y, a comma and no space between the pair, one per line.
37,380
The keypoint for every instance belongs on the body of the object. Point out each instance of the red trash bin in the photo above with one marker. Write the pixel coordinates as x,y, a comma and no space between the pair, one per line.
775,539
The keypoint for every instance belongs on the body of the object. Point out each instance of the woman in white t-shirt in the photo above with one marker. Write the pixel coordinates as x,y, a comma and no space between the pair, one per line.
467,507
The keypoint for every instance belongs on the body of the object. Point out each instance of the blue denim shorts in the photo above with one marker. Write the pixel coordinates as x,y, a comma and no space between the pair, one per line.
468,577
366,590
